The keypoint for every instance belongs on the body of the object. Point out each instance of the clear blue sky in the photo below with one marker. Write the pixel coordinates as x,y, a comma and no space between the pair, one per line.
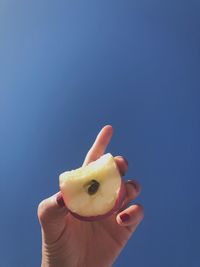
69,67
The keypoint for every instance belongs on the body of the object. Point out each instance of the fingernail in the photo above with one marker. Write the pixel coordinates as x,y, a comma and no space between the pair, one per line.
60,200
124,217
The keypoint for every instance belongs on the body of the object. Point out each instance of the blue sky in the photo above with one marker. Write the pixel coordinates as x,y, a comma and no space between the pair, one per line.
69,67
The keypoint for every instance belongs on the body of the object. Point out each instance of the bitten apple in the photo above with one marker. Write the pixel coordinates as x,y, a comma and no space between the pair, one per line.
95,191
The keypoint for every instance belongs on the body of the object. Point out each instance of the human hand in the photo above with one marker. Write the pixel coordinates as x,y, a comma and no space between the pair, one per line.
69,242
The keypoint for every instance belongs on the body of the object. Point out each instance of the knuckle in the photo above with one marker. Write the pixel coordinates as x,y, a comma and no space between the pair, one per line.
136,185
140,210
42,210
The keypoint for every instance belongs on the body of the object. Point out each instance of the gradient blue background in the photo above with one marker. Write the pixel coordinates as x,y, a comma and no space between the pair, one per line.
69,67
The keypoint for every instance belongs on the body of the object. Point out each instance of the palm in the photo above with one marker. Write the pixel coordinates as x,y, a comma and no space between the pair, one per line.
98,242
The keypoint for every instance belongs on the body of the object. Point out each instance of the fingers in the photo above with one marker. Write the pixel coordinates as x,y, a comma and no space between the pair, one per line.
99,147
51,209
51,215
100,144
122,164
133,189
134,214
131,217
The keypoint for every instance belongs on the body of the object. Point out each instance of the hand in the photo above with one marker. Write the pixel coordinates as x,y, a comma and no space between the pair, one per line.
69,242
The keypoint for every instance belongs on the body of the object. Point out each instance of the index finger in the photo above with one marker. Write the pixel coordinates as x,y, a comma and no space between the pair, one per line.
100,144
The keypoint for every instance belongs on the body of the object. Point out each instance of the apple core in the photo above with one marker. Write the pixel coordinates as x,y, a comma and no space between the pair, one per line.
93,187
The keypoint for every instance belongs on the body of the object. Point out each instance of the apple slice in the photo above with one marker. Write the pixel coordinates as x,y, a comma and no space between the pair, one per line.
95,191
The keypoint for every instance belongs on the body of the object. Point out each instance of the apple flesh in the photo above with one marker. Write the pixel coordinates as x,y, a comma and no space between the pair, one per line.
95,191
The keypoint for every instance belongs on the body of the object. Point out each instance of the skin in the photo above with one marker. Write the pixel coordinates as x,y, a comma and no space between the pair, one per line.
69,242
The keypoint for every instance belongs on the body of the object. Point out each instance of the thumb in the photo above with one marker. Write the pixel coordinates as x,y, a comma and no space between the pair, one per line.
52,216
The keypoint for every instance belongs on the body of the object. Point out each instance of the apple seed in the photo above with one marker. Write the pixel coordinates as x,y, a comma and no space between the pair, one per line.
94,186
